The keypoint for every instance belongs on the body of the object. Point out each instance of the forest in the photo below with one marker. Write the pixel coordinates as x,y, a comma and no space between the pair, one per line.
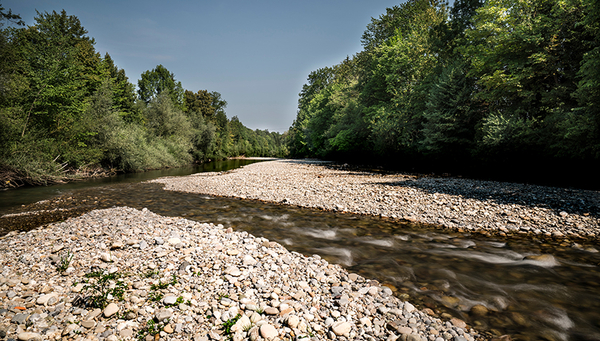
507,88
68,112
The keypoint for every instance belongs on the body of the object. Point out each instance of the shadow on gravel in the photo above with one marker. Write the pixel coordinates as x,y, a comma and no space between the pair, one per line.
572,201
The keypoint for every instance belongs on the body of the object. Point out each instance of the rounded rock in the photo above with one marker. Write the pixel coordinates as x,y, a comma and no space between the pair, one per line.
110,310
268,331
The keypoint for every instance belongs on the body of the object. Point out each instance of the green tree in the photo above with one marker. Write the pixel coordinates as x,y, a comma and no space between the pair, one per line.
451,118
123,92
155,81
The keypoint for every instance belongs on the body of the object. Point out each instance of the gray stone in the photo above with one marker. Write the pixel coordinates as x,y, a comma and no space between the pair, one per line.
164,314
89,324
19,318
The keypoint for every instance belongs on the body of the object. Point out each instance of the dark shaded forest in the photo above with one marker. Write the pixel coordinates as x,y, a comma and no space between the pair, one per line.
507,89
68,112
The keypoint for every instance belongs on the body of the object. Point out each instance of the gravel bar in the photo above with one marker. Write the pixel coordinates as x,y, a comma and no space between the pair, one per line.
123,274
460,204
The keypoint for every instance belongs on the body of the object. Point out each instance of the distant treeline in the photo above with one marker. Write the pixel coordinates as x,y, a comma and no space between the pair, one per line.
66,109
497,86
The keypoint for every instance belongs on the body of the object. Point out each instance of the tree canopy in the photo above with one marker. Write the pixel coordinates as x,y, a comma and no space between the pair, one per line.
64,108
493,86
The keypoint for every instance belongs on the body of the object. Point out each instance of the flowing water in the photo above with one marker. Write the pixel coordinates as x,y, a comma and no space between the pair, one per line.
529,289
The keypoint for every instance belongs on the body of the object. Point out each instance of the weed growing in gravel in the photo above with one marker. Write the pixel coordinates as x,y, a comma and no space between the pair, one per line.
150,273
102,287
155,296
161,285
228,324
152,328
65,261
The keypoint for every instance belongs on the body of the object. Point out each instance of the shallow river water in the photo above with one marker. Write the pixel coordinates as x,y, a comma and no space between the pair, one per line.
528,289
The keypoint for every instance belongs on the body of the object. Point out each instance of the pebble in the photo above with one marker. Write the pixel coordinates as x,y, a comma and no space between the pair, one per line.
110,310
454,203
26,336
268,331
215,284
341,328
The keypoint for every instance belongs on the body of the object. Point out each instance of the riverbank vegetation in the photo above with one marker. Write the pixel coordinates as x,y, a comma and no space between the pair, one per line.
483,87
67,111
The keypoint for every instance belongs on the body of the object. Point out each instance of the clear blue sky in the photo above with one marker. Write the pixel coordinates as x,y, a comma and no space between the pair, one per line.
257,54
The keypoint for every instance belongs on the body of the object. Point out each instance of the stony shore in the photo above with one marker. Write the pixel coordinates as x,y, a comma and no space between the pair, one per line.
456,203
122,273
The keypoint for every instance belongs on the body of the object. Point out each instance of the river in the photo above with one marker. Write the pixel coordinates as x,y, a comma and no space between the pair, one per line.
530,289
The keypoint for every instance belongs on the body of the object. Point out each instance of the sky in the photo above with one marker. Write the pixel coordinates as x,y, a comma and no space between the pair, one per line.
256,53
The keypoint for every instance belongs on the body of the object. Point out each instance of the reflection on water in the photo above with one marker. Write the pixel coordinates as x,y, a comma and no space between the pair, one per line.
529,289
26,195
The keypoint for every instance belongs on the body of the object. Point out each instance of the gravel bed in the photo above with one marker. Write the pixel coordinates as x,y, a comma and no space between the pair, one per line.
164,278
461,204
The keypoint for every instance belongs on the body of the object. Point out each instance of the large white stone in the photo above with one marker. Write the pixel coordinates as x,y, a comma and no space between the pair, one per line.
268,331
341,328
110,310
241,324
29,336
42,300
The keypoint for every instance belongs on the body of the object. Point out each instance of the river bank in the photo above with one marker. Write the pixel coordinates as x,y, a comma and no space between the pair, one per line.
12,178
487,207
197,281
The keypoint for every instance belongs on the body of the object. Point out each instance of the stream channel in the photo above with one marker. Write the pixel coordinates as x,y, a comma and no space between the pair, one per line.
530,289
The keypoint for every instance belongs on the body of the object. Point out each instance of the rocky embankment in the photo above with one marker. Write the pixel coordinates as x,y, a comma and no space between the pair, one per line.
121,274
460,204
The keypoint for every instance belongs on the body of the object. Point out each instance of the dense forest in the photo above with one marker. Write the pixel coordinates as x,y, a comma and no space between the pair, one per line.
67,111
481,87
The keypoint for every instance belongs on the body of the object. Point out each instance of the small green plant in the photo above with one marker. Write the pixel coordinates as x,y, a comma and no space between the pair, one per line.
221,296
101,286
228,324
260,310
161,285
65,261
179,300
123,315
152,328
155,296
150,273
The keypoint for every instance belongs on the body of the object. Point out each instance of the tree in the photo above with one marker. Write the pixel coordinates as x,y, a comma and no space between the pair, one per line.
155,81
451,117
123,92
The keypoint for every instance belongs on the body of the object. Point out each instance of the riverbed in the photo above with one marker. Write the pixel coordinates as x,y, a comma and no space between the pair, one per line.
526,285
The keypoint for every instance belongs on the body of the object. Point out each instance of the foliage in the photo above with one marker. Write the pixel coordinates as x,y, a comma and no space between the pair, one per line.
156,81
65,261
230,323
65,109
102,286
482,84
152,327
